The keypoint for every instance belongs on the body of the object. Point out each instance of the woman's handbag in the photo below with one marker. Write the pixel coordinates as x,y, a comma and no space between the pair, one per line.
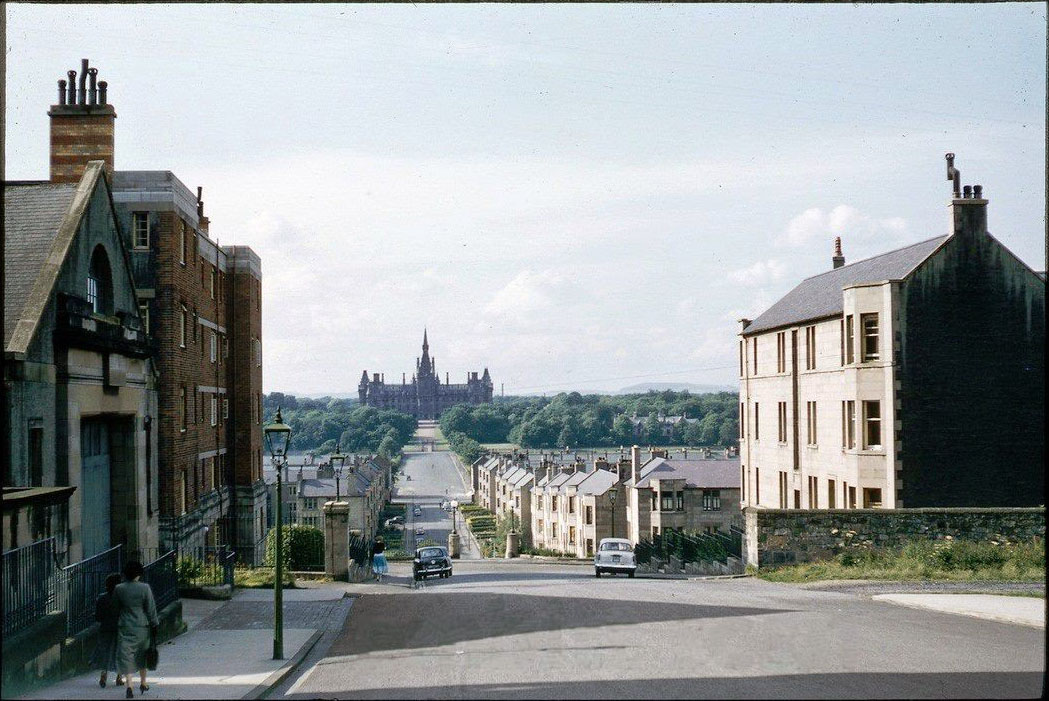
152,656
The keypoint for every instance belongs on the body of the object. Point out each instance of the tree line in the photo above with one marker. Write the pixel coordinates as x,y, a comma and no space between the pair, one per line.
318,424
576,420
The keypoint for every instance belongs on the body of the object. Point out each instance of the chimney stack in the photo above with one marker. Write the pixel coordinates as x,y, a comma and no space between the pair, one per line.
635,462
82,126
968,208
202,221
838,260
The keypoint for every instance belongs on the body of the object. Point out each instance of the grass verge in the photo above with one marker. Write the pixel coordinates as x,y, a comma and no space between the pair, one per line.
259,578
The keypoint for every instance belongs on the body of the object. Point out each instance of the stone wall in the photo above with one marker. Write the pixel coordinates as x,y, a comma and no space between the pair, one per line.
787,536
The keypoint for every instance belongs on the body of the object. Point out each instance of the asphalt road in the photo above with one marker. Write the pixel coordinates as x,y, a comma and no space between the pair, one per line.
523,630
434,479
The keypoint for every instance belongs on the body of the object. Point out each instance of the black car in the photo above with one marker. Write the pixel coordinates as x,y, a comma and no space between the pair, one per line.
431,559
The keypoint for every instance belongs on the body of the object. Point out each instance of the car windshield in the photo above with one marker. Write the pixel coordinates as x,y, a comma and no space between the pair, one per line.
616,546
431,552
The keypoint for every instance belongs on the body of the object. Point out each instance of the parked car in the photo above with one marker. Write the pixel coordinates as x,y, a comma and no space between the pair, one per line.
614,555
430,560
420,531
395,521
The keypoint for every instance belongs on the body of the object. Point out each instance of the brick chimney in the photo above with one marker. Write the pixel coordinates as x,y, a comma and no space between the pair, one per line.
81,126
635,462
838,260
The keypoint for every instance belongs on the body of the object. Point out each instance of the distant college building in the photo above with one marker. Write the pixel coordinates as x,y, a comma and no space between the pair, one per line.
914,378
424,397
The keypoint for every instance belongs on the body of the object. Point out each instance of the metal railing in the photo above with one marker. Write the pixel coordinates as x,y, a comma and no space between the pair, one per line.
81,583
205,566
691,547
162,578
29,576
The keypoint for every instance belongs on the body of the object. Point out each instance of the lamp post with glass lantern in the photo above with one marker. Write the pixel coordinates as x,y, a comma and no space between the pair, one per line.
612,494
278,439
338,462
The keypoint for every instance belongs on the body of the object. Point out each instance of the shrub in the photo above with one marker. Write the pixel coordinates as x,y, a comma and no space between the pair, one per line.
303,547
188,569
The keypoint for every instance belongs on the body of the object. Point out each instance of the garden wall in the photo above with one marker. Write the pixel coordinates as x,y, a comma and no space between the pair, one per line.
787,536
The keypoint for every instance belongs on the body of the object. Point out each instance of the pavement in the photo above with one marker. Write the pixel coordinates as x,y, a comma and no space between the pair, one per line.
1021,610
227,650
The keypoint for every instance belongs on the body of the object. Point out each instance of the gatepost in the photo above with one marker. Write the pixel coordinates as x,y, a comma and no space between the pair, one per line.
336,539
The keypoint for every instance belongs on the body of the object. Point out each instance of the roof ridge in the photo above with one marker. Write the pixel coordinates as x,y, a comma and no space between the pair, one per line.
879,255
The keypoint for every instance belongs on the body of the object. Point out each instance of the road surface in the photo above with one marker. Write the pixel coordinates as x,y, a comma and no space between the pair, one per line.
434,479
523,630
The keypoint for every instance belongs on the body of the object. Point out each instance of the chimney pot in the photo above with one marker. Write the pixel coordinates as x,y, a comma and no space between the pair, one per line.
838,259
102,92
967,192
978,191
72,87
61,92
93,87
82,86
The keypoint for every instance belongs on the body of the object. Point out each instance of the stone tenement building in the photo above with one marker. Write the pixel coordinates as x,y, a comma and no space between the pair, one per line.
201,304
424,397
915,378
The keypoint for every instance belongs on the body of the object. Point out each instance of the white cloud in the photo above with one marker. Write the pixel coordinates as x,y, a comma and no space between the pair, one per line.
853,226
529,293
760,273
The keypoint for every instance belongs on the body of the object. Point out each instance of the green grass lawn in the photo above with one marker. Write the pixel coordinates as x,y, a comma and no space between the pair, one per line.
958,561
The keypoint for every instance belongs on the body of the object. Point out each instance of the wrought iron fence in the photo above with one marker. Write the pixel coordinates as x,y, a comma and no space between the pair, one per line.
81,583
29,584
205,566
162,578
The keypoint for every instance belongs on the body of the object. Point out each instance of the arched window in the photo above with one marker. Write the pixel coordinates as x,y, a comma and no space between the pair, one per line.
100,282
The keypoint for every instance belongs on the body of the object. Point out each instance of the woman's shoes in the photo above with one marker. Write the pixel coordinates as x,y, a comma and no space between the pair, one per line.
129,693
143,688
120,680
102,681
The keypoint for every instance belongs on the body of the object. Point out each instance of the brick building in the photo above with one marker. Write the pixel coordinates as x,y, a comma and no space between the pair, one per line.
201,303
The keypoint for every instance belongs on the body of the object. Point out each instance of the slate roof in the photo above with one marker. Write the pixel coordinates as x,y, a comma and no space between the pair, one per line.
597,482
820,296
712,474
32,215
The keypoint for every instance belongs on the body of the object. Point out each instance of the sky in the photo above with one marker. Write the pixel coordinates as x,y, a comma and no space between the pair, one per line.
577,197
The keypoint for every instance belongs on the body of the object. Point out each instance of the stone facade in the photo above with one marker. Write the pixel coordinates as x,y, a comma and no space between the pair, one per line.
914,378
784,536
425,397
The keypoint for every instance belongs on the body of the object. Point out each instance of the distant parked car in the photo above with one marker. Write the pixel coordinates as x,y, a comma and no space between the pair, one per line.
394,520
431,560
614,555
420,531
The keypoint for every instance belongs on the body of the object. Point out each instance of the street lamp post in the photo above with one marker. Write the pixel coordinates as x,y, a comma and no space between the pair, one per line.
338,461
278,439
612,494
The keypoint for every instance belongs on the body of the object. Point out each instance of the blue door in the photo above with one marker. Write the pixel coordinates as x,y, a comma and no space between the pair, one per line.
94,483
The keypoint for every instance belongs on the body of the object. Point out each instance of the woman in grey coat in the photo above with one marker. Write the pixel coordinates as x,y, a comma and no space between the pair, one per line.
136,626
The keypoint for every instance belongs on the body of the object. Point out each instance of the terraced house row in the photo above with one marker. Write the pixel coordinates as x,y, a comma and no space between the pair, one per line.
133,395
570,507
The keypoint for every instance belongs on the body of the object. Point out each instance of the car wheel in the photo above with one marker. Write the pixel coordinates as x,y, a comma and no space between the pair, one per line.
630,574
597,573
416,577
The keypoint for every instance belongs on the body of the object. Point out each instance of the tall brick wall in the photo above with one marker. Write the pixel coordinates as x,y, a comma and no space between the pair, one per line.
787,536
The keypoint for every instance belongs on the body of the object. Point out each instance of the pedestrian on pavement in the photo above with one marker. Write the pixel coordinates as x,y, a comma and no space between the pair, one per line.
137,625
379,566
107,612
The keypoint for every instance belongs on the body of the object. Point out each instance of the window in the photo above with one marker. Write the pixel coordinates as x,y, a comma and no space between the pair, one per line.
184,493
36,453
571,535
214,410
225,408
182,327
757,422
258,355
832,495
143,313
655,500
182,408
811,411
871,498
588,515
872,425
667,502
140,227
743,482
814,486
782,490
589,547
225,346
841,338
869,324
781,351
757,485
553,503
741,358
849,354
211,282
571,505
852,497
848,424
782,406
797,498
99,282
810,347
755,355
214,347
742,419
712,500
211,471
181,242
